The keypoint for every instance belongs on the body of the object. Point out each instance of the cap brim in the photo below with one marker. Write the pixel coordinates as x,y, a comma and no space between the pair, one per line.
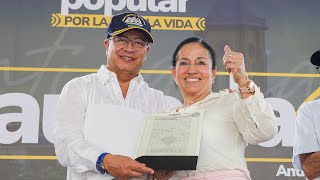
146,33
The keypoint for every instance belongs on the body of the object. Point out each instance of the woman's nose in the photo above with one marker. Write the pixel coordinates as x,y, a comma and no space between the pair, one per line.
192,69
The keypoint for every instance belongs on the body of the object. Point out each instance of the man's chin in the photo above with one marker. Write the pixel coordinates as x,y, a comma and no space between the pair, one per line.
132,71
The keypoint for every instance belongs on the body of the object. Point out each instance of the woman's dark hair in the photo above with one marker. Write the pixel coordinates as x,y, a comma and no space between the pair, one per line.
195,40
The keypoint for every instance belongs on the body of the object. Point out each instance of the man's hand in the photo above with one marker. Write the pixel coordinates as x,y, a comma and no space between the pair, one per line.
234,64
124,167
163,175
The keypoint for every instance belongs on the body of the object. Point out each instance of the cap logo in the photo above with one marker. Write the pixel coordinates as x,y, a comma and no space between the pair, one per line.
133,20
126,21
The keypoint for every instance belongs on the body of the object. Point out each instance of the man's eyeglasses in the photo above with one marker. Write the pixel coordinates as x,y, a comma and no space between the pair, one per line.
122,41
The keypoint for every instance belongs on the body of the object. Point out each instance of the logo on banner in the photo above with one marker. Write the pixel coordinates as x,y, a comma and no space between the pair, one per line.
76,20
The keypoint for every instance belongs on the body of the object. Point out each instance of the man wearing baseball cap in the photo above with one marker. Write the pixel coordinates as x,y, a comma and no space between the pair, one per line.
306,147
119,83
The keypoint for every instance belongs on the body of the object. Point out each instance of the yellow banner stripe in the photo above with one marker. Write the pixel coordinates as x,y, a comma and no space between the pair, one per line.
176,23
80,20
281,74
314,95
101,21
80,70
16,157
35,69
274,160
28,157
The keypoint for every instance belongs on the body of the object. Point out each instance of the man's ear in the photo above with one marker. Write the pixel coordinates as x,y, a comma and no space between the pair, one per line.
147,52
148,49
106,44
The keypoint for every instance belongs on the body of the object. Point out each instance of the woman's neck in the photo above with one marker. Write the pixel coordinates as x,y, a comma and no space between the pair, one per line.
191,99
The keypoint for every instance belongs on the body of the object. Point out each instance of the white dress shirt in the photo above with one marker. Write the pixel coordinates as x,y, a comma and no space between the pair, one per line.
307,132
98,88
230,123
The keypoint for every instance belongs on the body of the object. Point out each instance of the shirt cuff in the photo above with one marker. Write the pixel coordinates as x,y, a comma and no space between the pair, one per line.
253,104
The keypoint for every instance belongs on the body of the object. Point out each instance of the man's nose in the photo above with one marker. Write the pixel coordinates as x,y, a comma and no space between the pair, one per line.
129,46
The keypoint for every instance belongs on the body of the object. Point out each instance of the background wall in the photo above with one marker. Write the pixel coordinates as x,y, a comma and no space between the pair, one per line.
38,55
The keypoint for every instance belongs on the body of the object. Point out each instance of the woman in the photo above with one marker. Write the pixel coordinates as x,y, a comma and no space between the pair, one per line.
232,120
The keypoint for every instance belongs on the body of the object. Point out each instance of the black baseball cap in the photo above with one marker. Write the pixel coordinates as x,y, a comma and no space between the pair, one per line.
126,21
315,58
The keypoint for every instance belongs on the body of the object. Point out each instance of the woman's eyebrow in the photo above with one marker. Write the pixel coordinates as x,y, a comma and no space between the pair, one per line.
201,57
185,58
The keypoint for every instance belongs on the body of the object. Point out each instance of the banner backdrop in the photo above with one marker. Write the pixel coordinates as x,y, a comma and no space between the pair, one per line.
44,44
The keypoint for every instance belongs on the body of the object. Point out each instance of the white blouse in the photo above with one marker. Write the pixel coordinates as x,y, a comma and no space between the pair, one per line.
230,124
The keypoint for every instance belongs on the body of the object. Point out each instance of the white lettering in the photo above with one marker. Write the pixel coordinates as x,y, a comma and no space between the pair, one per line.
282,171
152,6
289,172
29,119
166,6
66,5
285,122
109,6
49,106
96,6
182,6
300,173
142,5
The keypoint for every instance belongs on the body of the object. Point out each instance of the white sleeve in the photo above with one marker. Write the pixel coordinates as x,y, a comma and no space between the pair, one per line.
255,118
305,140
162,103
70,147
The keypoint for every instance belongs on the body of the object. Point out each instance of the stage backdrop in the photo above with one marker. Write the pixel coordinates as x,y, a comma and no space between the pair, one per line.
46,43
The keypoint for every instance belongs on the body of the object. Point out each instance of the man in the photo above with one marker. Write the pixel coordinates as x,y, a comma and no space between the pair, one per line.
118,83
306,149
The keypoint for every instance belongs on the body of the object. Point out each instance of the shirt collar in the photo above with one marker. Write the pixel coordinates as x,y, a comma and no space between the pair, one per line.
212,95
104,74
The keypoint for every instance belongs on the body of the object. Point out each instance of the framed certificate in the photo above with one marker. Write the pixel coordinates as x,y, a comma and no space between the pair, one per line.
163,141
